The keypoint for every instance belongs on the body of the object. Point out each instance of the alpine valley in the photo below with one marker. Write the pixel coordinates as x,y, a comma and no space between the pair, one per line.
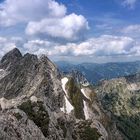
40,102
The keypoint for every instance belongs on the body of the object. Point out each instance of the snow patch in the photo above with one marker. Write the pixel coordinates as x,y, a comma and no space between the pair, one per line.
64,82
67,108
63,109
86,110
82,90
85,84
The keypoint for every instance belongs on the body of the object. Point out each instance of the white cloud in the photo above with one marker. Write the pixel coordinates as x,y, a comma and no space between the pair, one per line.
105,45
13,11
46,17
129,3
6,45
38,47
68,27
132,29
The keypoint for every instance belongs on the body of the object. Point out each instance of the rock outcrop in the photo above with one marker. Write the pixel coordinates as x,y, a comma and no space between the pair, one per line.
121,98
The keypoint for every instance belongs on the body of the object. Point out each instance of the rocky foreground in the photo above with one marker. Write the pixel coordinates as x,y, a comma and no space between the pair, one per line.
39,103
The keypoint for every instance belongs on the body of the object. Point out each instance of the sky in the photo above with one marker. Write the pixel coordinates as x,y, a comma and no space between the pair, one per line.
72,30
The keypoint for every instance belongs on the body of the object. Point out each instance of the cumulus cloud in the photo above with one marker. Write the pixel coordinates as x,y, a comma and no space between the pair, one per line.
38,47
6,45
129,3
105,45
46,17
68,27
132,29
13,11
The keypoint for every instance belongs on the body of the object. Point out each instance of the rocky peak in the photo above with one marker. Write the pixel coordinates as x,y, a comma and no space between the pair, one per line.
44,58
11,58
23,73
29,61
79,77
48,65
29,56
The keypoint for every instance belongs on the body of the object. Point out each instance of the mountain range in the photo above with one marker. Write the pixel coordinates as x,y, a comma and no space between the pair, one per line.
39,102
95,72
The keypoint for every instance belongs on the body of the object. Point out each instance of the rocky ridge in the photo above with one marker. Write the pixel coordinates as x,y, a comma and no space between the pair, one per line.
38,102
121,98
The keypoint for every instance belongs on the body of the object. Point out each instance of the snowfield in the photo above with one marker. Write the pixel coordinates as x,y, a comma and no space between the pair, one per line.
82,90
64,82
86,110
67,108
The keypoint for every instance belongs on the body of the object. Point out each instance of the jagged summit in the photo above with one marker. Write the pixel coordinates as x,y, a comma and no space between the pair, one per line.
12,55
29,58
79,77
14,58
10,58
21,73
15,53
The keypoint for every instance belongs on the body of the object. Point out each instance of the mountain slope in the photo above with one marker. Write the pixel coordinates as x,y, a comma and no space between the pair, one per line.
28,92
96,72
121,97
32,95
38,102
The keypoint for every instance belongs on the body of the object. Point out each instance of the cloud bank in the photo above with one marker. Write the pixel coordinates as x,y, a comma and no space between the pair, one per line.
105,45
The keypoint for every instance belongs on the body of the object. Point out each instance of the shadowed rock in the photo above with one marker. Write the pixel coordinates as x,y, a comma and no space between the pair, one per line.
11,58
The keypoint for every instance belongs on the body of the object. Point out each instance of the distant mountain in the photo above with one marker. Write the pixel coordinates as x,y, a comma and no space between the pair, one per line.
96,72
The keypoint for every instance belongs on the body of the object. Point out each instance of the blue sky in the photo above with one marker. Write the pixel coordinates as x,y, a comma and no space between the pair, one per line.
100,12
72,30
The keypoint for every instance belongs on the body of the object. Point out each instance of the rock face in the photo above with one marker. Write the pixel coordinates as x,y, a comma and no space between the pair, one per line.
38,103
11,58
121,97
30,90
79,77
